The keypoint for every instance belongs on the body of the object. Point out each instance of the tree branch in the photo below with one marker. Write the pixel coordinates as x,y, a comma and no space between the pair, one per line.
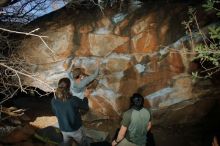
4,3
30,34
27,75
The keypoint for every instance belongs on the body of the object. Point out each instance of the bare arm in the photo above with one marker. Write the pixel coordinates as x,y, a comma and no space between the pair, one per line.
69,73
88,79
149,126
121,135
70,67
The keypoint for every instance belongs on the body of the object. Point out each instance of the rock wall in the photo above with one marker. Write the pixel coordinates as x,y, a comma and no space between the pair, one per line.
140,49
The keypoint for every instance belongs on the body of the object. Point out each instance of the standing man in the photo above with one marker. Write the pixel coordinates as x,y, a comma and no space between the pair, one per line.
66,108
135,124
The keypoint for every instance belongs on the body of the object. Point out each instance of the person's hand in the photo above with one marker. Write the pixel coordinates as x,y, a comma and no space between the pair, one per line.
82,77
87,93
114,143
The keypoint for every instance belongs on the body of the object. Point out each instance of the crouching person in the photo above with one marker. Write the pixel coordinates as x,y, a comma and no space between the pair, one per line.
66,108
135,124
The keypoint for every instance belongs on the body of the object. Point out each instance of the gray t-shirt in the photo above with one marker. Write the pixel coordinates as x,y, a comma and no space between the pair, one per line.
77,89
136,122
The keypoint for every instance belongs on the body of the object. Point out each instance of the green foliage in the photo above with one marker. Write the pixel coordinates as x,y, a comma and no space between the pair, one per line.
214,32
209,5
208,54
189,23
209,51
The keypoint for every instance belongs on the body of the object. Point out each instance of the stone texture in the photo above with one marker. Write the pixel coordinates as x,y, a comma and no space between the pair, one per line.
104,22
144,34
103,45
120,27
19,134
59,42
176,63
124,48
84,49
132,58
44,121
189,111
85,29
144,42
118,63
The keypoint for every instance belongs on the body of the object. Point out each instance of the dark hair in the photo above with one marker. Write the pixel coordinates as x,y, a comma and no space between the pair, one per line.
76,72
137,101
63,90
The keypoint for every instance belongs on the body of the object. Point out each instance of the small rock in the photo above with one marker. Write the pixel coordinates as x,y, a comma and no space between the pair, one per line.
18,135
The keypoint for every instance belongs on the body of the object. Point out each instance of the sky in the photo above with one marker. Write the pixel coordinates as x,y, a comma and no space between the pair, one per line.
47,7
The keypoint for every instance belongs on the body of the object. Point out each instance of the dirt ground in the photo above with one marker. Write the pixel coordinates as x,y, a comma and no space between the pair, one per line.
39,115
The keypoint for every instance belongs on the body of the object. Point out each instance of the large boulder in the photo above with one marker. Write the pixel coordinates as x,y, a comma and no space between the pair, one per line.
139,52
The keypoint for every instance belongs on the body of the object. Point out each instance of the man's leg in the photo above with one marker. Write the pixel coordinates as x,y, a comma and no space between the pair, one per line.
66,139
78,136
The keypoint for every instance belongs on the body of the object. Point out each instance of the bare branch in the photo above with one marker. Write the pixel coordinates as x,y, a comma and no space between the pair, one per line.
4,3
31,34
5,99
27,75
12,111
25,33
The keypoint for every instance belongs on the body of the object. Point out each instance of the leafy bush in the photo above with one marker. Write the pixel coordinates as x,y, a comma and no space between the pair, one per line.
208,52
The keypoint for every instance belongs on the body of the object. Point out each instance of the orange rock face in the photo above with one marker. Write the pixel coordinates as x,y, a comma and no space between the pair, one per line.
176,63
133,55
84,49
